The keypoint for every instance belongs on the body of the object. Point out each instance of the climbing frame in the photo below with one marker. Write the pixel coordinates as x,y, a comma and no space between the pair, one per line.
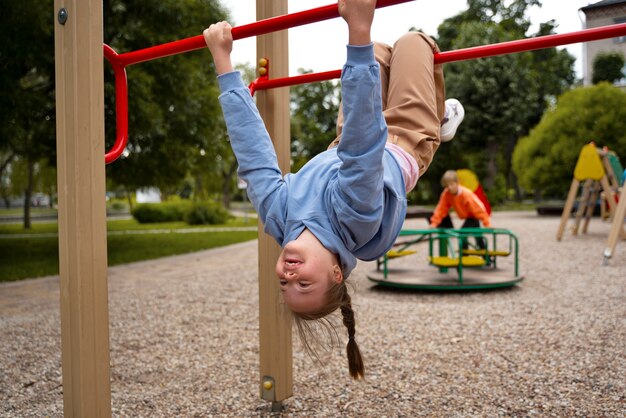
592,171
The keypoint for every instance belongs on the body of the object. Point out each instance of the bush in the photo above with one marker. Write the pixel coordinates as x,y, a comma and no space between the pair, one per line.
206,214
118,206
545,159
160,212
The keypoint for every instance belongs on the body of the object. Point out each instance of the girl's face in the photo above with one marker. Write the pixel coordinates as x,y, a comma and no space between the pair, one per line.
305,270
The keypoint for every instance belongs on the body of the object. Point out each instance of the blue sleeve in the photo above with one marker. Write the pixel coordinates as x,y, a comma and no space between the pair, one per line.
251,143
362,145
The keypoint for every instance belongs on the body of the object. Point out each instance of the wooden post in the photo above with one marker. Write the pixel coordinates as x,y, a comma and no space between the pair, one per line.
276,382
608,168
567,210
582,205
617,228
610,195
82,212
591,207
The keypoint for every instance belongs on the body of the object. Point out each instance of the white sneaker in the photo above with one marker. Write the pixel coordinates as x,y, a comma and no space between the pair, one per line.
454,117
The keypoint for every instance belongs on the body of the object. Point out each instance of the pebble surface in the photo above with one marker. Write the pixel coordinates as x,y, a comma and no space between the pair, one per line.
184,339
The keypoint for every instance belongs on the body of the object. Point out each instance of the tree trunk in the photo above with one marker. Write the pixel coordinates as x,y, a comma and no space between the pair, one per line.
3,166
226,194
6,163
511,177
515,186
227,182
28,194
130,200
492,164
51,193
198,192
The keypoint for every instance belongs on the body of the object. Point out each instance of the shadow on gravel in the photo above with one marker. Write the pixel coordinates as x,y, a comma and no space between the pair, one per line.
381,289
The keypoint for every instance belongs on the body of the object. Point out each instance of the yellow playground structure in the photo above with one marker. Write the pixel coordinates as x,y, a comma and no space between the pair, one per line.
600,173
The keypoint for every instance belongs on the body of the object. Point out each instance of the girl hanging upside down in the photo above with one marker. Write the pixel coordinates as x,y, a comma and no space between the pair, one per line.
348,202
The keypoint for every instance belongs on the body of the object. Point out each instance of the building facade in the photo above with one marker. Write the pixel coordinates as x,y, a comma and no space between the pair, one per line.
603,13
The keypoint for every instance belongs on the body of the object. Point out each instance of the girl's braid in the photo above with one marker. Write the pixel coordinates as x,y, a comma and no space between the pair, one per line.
355,361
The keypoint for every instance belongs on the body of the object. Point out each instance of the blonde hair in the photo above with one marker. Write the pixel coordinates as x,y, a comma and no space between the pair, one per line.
448,177
310,326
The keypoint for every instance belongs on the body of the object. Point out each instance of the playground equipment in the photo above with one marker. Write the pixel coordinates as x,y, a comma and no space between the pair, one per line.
121,61
600,173
448,265
271,24
617,229
458,266
614,173
82,217
468,178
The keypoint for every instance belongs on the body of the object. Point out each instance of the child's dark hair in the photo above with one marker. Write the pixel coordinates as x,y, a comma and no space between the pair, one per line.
337,298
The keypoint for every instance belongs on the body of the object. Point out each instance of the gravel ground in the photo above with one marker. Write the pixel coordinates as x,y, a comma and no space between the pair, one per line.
184,333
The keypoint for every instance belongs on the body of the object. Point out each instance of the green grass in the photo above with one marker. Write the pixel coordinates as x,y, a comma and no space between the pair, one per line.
37,228
117,225
28,257
22,258
33,211
123,249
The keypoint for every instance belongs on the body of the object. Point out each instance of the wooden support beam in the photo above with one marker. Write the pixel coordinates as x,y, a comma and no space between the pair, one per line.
591,207
610,195
617,227
276,377
567,209
82,211
582,205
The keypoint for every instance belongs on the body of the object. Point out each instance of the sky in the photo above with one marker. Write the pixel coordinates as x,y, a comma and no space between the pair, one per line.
321,46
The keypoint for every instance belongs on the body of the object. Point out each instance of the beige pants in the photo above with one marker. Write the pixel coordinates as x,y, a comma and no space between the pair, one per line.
413,94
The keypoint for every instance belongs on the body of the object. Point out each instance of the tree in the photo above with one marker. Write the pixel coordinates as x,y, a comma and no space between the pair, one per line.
5,162
313,119
214,171
511,17
173,108
544,160
608,66
27,112
503,96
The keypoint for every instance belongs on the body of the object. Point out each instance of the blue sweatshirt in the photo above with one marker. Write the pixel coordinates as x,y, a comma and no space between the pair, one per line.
351,197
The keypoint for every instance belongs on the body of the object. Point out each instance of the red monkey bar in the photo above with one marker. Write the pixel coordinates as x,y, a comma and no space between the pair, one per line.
120,61
521,45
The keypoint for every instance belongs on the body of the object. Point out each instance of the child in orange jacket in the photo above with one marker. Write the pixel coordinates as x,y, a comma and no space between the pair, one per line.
464,202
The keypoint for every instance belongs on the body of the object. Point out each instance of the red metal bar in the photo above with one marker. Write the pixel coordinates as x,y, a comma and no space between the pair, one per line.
529,44
121,106
120,61
273,24
264,83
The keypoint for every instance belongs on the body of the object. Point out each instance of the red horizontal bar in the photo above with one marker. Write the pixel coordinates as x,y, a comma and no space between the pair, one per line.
261,27
120,61
273,24
529,44
263,83
521,45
